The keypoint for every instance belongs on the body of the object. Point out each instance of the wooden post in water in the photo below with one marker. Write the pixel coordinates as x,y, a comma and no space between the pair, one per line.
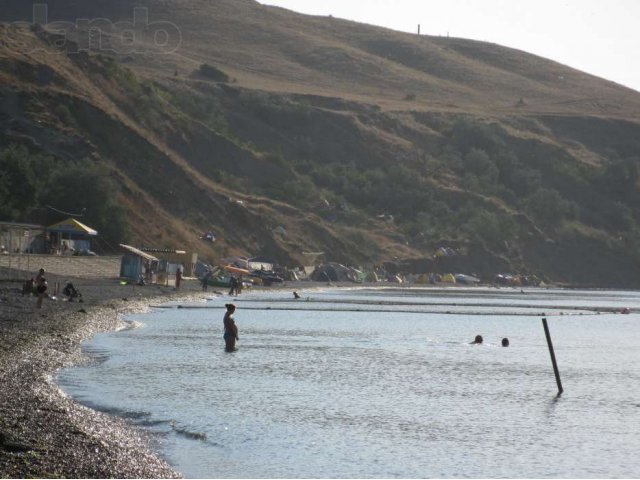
553,356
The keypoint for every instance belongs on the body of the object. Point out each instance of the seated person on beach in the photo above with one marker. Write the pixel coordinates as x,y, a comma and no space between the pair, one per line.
477,341
28,287
70,291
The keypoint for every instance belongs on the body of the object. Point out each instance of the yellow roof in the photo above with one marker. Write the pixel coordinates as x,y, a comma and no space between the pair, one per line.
72,225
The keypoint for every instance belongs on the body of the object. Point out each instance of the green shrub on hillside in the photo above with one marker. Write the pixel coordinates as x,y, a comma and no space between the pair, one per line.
477,161
213,73
549,207
621,178
23,176
276,111
65,116
123,76
87,187
203,108
30,181
468,133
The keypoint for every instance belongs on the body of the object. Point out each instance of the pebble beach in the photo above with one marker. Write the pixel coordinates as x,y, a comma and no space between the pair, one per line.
42,432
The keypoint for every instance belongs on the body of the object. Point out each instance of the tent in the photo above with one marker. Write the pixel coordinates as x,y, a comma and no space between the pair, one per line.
466,279
422,279
332,272
448,278
372,277
71,235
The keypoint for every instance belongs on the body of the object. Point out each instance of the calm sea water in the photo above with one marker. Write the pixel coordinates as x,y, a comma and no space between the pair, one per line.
380,384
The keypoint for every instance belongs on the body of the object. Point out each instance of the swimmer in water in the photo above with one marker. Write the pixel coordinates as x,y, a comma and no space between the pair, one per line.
477,341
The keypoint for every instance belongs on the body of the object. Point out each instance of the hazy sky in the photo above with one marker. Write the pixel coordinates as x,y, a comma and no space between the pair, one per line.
601,37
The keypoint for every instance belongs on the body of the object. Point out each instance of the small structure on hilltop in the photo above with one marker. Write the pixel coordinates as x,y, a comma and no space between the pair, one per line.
70,236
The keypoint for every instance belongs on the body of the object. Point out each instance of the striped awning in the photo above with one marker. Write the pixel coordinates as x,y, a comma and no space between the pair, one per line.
163,250
139,252
71,225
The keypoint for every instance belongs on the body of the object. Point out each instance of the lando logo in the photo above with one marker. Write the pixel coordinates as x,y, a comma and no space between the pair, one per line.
139,36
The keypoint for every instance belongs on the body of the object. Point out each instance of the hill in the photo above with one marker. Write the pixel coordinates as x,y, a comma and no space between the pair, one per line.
367,144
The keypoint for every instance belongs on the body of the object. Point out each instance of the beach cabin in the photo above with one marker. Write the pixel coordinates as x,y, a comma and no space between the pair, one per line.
22,238
71,236
136,265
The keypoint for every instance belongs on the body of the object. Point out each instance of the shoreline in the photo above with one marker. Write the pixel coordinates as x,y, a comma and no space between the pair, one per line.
43,432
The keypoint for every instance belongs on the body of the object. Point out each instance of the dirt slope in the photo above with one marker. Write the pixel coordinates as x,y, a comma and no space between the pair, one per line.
367,144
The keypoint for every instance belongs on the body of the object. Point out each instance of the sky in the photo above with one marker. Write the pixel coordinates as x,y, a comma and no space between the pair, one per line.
601,37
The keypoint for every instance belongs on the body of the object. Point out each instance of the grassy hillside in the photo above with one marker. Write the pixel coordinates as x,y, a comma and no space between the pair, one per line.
367,144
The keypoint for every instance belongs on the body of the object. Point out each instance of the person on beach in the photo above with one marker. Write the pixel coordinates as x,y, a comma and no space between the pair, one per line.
233,284
477,341
70,292
28,287
41,288
230,328
178,278
205,280
38,275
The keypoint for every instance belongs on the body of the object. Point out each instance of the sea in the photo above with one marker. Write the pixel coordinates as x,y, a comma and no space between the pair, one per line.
380,383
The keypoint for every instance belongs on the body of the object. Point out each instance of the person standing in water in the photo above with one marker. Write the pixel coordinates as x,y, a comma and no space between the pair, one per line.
230,328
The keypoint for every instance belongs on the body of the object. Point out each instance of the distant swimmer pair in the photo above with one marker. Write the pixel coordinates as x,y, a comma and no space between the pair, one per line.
478,340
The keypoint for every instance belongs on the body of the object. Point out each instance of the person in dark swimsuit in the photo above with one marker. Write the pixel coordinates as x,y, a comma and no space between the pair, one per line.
230,328
41,288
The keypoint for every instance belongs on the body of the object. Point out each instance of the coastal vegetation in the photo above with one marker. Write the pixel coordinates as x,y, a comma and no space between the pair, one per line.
30,184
